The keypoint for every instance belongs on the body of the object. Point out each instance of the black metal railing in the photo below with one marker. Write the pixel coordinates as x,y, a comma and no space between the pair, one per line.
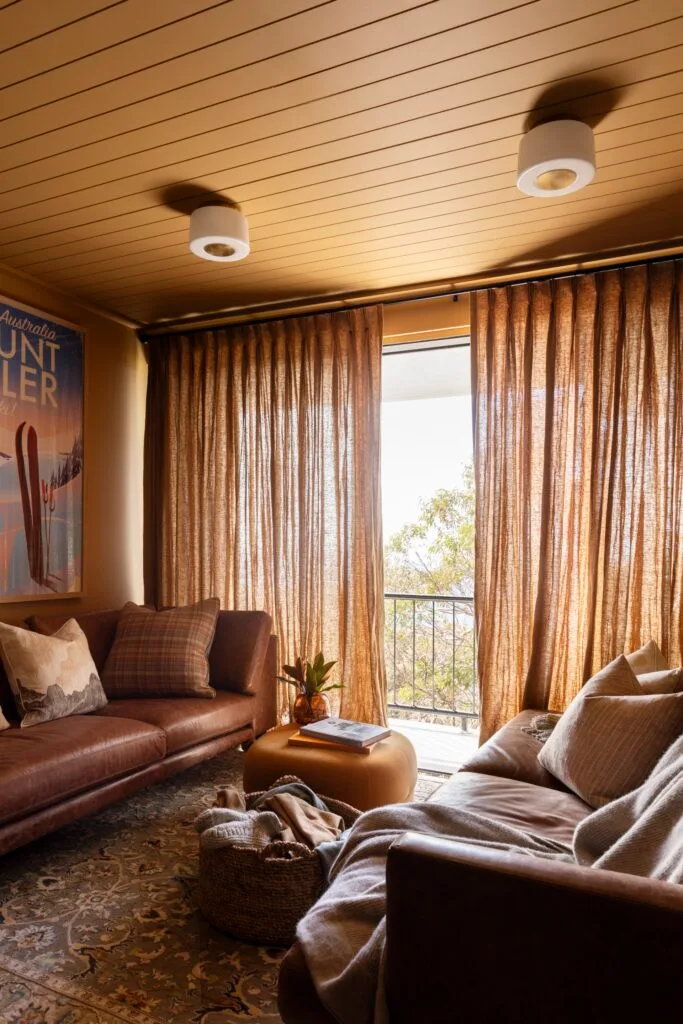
430,657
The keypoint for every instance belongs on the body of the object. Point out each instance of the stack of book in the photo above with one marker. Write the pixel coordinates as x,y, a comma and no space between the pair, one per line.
340,734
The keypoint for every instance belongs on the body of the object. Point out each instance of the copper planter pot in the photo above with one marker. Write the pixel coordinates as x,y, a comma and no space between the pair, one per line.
310,709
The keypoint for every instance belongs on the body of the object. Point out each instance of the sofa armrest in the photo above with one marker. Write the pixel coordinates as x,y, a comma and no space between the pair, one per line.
481,934
265,692
239,650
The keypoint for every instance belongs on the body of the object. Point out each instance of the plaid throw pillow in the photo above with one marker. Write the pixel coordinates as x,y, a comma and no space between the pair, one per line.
162,654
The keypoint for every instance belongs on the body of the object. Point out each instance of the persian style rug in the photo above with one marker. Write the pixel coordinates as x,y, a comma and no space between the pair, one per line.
99,924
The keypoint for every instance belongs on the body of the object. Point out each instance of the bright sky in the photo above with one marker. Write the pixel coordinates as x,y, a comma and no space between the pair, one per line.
426,441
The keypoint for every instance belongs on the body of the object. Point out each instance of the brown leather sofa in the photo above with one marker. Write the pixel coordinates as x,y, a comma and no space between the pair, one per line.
475,934
53,773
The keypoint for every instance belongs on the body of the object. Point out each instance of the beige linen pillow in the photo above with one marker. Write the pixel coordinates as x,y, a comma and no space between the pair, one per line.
162,654
611,735
670,680
50,676
646,659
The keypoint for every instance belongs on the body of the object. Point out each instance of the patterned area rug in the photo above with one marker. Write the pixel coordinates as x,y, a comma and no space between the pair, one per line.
98,922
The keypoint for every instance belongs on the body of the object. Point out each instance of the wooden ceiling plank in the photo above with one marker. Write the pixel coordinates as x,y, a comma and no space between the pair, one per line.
312,285
475,224
20,22
525,218
75,170
283,236
88,42
312,164
327,29
127,106
430,57
80,188
174,229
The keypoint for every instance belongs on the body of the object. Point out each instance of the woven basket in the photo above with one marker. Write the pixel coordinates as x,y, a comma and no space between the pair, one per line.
259,895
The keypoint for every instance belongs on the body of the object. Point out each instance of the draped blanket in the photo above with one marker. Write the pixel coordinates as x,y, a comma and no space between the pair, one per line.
343,935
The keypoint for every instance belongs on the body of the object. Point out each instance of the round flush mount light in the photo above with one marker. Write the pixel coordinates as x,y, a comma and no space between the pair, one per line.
219,233
556,158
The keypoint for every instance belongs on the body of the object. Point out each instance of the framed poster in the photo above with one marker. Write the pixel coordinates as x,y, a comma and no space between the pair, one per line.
41,455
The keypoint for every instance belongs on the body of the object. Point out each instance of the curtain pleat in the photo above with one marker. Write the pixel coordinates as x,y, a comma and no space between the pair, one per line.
263,485
578,431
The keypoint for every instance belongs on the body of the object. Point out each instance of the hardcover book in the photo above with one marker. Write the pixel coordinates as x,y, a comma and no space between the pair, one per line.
346,732
297,740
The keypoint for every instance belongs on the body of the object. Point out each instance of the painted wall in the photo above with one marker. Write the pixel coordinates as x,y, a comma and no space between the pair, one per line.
426,319
115,382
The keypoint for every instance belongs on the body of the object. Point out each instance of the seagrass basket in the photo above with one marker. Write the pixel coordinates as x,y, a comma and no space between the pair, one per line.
259,895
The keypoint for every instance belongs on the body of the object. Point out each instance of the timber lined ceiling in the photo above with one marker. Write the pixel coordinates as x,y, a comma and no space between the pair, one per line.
371,143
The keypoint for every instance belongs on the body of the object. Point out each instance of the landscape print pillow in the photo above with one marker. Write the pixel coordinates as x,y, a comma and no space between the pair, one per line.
51,676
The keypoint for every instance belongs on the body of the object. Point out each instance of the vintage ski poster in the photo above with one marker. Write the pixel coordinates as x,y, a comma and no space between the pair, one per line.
41,454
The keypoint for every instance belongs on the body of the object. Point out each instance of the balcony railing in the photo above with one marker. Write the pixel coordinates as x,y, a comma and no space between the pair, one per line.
430,657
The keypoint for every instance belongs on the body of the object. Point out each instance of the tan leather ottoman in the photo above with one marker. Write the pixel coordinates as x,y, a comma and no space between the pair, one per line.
387,775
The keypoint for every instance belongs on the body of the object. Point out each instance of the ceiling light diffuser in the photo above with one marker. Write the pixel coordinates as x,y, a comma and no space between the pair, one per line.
219,233
556,158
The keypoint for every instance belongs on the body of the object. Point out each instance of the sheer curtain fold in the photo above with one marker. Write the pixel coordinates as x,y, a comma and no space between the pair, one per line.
263,485
578,422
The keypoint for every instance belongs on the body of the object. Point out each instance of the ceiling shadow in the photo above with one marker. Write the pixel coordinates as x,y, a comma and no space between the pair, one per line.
588,98
184,198
658,221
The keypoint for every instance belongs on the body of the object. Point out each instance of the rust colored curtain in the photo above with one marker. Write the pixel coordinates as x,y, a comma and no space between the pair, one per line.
578,423
263,485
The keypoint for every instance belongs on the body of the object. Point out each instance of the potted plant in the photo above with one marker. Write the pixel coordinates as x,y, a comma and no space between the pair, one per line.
310,679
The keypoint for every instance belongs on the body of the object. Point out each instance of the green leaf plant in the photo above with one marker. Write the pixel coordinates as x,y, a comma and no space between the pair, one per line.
310,677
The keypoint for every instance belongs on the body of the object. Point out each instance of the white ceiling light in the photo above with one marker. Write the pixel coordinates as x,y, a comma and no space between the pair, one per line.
219,233
556,158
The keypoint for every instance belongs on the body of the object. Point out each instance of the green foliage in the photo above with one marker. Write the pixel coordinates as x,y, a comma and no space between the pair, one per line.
429,646
310,676
435,554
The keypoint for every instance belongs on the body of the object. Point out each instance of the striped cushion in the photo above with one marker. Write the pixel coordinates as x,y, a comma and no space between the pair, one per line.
162,654
612,735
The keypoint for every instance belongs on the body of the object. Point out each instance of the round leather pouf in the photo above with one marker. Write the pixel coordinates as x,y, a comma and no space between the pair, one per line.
387,775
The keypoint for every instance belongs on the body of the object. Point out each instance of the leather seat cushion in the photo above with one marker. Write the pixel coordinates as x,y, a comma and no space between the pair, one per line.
537,809
46,763
513,754
186,720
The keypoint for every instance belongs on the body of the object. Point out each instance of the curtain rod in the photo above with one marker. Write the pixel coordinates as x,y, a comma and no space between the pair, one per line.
411,293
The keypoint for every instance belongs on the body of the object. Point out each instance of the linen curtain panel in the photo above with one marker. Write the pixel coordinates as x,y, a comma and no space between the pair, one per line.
262,486
578,437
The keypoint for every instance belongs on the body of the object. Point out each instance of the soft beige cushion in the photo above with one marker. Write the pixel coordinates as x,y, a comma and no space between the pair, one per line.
51,676
4,724
646,659
162,654
611,735
670,680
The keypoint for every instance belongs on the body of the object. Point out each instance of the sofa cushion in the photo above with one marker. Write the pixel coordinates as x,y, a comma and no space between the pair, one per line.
99,628
186,720
51,676
513,754
612,734
668,680
49,762
162,654
647,658
538,809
